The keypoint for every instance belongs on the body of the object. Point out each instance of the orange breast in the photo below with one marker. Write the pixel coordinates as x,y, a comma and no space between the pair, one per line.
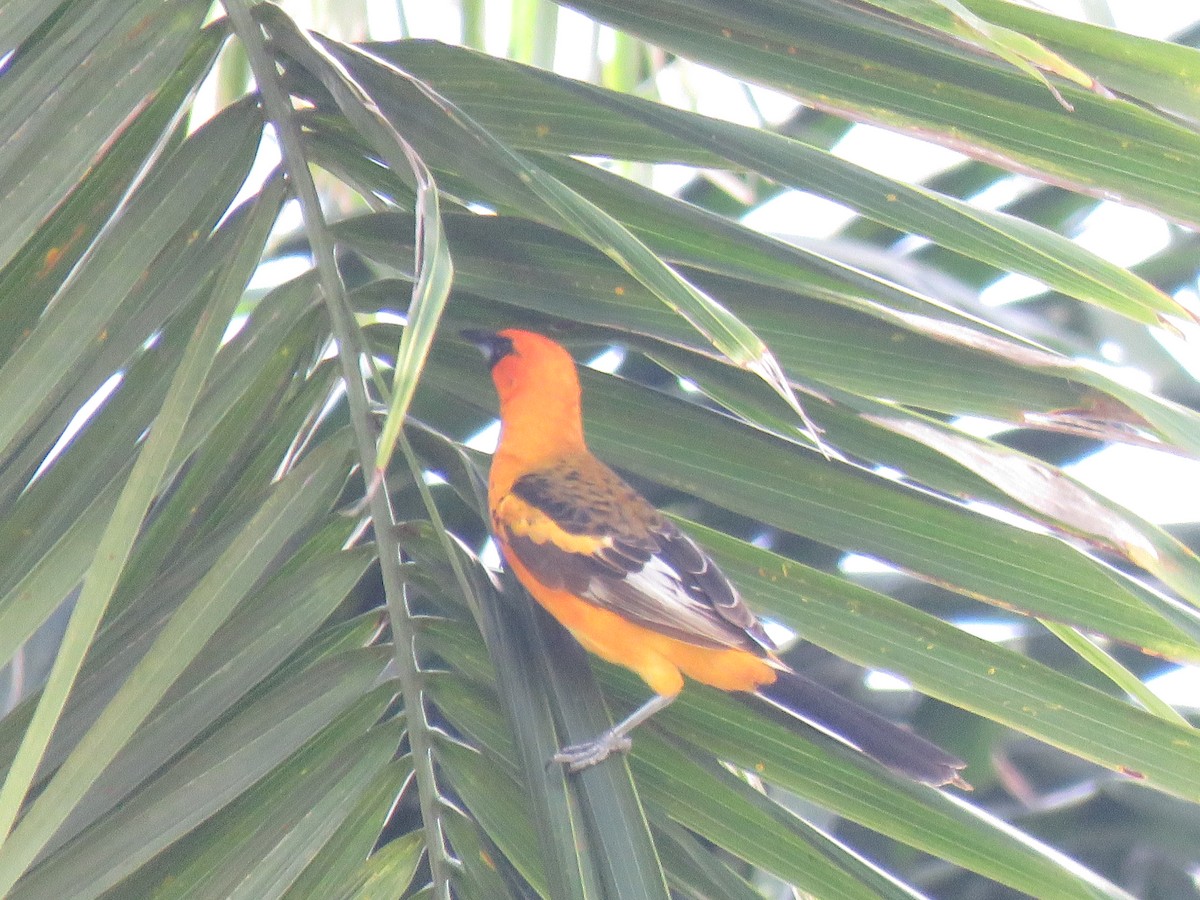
661,661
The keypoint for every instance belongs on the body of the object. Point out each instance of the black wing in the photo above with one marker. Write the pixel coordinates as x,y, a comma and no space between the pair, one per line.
581,528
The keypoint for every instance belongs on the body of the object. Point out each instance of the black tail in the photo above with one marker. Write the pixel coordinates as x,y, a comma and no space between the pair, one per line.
864,730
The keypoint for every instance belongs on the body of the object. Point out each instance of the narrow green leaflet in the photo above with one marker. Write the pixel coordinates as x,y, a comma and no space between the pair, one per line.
629,862
176,194
433,268
1107,664
1060,501
1013,47
480,875
19,19
591,223
836,779
531,268
431,290
569,867
876,355
919,446
847,509
1164,73
131,507
1007,242
384,875
578,830
597,812
851,67
307,490
693,869
757,831
315,788
39,268
71,87
210,776
943,661
44,585
500,807
530,112
256,639
52,527
317,809
591,113
754,832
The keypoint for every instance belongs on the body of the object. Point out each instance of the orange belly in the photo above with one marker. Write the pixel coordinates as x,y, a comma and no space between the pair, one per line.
661,661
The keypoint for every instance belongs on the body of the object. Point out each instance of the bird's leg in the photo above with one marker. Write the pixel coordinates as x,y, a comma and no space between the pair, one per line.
577,757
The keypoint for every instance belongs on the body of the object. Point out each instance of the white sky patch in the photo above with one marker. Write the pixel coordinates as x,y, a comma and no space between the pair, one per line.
80,419
608,361
910,243
1148,18
265,160
1189,298
801,214
886,681
490,554
1009,289
1161,487
777,632
1123,235
1112,352
1130,376
764,540
486,439
895,155
440,21
1179,687
774,106
236,324
291,218
389,317
1007,516
671,178
709,92
990,630
275,272
859,564
573,53
1152,18
978,426
383,20
1185,349
1003,192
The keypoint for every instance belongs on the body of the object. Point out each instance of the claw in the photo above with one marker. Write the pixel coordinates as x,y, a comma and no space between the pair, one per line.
578,757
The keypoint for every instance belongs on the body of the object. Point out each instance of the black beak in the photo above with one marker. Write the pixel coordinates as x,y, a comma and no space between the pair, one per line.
494,346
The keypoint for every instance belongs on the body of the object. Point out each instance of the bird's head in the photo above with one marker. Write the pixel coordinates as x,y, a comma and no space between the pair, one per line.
527,367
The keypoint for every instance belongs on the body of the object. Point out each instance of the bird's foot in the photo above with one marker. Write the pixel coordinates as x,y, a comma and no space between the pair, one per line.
578,757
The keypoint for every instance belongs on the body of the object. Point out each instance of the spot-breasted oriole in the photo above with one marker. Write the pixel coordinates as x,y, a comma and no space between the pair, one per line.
628,584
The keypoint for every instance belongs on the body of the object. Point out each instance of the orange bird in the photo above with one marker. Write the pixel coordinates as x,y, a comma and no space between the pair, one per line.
629,585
